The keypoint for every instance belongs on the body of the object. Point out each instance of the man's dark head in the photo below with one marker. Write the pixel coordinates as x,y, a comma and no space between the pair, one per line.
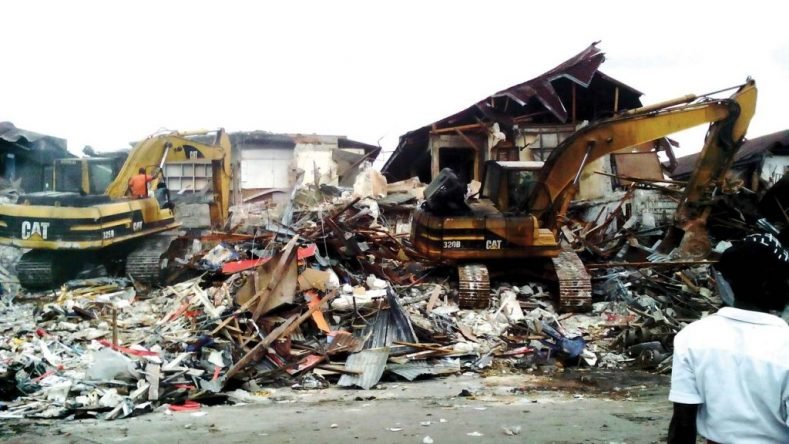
757,268
141,170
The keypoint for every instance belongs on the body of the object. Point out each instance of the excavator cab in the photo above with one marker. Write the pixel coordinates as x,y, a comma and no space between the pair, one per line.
509,184
85,176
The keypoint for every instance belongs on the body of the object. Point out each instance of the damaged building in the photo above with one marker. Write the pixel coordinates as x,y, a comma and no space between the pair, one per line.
759,163
273,162
312,279
26,157
526,122
269,164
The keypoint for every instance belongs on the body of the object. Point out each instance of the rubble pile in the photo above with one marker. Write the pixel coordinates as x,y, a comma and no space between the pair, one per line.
324,292
97,347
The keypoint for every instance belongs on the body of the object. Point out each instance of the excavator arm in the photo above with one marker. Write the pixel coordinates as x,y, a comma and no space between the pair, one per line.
728,118
155,151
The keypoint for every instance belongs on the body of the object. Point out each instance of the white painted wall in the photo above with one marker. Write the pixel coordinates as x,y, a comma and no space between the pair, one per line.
314,158
265,167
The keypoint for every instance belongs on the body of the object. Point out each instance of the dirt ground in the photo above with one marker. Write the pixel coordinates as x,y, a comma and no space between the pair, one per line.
574,407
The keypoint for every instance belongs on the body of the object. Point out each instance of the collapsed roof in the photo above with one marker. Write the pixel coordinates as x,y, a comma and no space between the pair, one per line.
575,90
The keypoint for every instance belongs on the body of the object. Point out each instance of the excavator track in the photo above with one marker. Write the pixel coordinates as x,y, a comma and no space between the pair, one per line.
575,284
144,263
473,286
39,269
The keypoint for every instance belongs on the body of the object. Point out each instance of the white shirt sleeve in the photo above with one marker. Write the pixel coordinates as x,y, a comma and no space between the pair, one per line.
683,377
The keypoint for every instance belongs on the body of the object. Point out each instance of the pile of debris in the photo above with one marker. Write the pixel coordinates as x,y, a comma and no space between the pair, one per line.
323,292
99,348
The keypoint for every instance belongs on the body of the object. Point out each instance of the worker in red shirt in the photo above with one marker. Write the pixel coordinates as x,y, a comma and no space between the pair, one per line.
138,184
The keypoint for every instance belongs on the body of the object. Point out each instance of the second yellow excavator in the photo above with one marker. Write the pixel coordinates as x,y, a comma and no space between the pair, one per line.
71,227
522,205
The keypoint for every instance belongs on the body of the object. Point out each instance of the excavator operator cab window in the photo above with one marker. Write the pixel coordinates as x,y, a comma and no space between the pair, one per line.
491,182
509,184
101,173
520,185
68,176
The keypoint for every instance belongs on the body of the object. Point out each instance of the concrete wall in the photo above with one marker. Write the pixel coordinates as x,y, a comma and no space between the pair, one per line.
593,185
263,167
316,162
268,167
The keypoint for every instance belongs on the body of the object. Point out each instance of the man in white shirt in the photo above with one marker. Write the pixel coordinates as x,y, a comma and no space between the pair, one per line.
730,373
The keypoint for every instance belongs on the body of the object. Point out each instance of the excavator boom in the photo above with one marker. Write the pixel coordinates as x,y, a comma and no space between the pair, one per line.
155,151
730,119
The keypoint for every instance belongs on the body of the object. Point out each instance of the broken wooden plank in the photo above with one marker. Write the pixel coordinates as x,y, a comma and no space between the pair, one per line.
433,298
288,255
245,306
339,369
134,396
317,316
152,375
283,330
649,264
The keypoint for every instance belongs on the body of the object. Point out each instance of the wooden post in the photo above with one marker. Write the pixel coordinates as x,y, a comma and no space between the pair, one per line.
478,153
114,328
616,99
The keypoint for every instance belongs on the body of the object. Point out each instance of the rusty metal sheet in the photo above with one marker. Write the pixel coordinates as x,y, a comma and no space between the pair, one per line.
637,165
343,341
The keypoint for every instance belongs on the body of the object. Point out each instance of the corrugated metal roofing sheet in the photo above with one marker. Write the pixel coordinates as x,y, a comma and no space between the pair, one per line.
12,134
414,369
370,362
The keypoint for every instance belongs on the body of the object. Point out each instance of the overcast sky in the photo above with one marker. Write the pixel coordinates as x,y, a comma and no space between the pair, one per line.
105,73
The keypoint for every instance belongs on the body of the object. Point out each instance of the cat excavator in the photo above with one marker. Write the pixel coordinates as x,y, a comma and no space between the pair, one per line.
522,205
72,226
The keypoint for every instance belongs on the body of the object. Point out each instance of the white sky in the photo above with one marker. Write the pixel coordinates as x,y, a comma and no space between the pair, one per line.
105,73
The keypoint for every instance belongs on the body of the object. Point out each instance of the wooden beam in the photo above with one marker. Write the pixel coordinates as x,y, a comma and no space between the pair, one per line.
433,298
452,129
152,375
339,369
528,116
468,140
284,329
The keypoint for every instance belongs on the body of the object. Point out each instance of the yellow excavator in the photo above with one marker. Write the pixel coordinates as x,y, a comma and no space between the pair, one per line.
522,205
78,223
